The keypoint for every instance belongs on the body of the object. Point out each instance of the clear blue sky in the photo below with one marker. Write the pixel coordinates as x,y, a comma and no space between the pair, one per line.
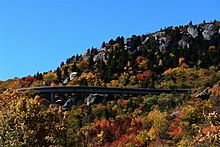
37,35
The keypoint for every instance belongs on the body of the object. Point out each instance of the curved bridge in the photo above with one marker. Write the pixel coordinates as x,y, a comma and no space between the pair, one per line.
101,90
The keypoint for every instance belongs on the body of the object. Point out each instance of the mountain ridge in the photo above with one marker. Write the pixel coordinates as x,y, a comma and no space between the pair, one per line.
194,45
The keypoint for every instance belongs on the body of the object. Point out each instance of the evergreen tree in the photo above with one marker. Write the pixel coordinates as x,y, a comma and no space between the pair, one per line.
111,42
74,67
59,74
190,23
77,57
91,62
65,72
39,76
101,68
103,44
62,63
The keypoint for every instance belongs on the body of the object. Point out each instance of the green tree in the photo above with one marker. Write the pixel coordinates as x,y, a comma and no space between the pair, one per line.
91,62
65,72
74,67
59,74
62,63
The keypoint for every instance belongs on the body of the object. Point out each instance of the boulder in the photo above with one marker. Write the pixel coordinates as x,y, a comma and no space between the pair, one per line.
69,103
72,75
192,31
208,31
183,44
95,99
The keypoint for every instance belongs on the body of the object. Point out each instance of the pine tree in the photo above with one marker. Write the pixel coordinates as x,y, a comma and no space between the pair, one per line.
59,74
62,63
65,72
74,67
91,62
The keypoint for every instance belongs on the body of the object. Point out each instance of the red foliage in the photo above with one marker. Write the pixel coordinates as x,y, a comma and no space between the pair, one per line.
100,125
139,59
175,131
157,143
122,130
130,139
146,74
27,81
124,102
211,129
121,126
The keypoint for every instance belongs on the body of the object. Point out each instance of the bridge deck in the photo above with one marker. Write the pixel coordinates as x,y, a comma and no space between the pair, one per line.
101,90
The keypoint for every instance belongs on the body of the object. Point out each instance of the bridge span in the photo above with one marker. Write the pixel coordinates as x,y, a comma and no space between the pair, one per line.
101,90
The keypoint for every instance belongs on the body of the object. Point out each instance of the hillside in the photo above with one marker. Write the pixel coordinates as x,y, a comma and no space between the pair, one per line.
174,57
138,61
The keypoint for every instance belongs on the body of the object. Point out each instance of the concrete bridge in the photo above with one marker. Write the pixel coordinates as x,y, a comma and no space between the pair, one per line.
101,90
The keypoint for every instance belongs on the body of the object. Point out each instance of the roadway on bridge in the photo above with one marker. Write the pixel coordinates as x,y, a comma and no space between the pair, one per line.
101,90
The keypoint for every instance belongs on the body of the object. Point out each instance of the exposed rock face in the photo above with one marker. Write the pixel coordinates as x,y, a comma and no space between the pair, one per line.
66,81
208,31
145,40
183,44
204,95
99,56
95,98
162,47
72,75
159,35
129,44
174,114
59,102
85,56
192,31
69,103
164,43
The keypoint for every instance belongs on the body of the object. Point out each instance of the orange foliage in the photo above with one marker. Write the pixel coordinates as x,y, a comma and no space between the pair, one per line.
212,48
84,63
182,63
52,84
181,60
89,75
216,89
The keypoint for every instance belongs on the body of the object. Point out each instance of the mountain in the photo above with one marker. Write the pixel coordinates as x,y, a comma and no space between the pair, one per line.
174,57
149,55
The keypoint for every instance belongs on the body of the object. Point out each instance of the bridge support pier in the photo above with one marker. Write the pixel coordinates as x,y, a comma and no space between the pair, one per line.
52,97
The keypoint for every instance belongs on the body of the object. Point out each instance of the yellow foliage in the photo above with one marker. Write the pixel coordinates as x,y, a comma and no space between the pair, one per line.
84,75
26,123
153,133
160,62
49,75
114,83
158,119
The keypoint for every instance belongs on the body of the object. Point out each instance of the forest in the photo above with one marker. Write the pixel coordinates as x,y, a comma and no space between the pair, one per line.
173,58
